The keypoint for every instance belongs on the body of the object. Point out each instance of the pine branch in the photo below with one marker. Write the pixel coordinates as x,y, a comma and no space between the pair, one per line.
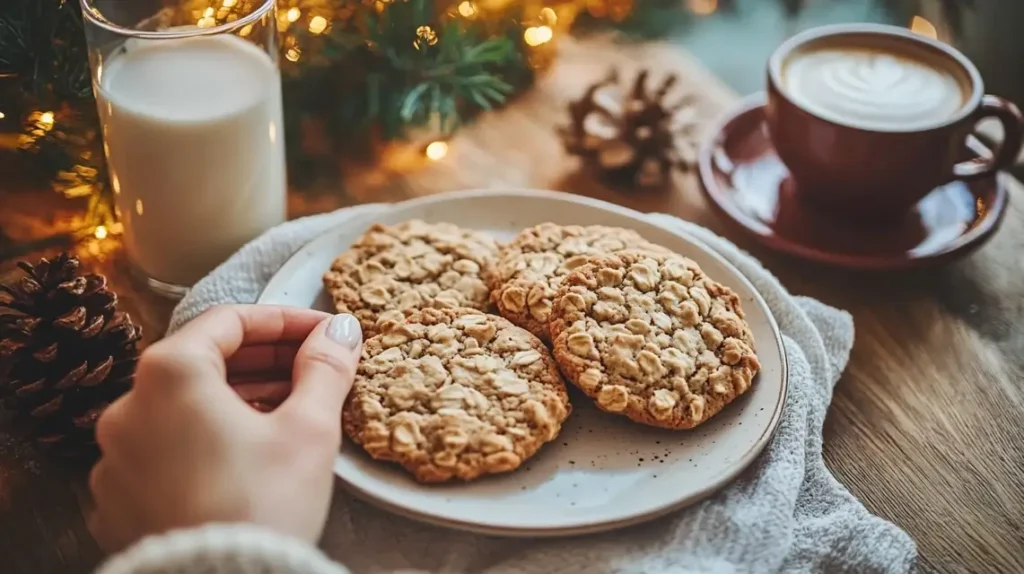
42,42
397,80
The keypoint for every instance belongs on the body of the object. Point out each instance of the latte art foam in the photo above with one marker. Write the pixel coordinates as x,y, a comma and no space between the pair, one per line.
872,89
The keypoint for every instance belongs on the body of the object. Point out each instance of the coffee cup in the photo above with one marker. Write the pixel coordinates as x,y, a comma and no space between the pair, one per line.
870,118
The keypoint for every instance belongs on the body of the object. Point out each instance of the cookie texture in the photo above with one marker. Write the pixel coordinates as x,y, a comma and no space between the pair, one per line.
530,268
413,265
455,393
653,338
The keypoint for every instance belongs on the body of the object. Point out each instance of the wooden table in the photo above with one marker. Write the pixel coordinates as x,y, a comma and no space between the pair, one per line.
927,424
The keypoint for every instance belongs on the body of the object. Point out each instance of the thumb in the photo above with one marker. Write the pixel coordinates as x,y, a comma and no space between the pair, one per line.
325,366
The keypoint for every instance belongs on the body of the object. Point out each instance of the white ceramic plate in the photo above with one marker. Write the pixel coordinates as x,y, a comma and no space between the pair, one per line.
603,471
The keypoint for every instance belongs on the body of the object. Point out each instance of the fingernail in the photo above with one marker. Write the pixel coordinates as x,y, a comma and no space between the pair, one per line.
345,329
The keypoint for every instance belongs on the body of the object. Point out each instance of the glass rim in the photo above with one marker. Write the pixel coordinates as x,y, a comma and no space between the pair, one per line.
95,17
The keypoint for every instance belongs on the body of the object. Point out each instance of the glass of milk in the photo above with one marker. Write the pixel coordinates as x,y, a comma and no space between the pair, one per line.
189,96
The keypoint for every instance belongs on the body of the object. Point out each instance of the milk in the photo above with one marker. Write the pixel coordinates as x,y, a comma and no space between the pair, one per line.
195,147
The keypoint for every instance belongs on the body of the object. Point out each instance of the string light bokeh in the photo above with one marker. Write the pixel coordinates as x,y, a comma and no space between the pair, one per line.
436,150
541,23
541,20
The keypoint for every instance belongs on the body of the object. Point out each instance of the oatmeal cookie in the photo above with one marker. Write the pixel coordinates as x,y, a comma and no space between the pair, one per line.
653,338
412,265
530,268
455,393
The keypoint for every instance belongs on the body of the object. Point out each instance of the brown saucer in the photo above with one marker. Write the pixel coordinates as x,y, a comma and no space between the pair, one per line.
747,183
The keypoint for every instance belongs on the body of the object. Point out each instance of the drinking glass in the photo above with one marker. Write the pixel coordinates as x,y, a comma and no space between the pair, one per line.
189,96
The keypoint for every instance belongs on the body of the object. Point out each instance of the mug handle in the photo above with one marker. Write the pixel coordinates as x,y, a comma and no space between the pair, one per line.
1006,154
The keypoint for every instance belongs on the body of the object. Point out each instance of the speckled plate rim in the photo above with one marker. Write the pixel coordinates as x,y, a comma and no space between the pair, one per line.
482,524
962,246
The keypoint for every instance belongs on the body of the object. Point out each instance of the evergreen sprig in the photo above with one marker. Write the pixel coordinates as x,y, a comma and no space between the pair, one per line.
42,45
391,80
44,53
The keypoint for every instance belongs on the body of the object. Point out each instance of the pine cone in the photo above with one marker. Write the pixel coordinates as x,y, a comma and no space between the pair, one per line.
66,353
633,137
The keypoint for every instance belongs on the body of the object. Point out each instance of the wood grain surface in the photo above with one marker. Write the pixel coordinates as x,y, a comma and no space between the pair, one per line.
927,424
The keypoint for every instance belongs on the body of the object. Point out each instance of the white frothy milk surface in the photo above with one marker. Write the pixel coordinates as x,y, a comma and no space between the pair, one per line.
873,89
195,145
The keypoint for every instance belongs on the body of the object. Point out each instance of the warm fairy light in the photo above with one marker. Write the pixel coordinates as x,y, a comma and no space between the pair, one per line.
467,10
436,150
294,14
317,25
548,16
923,27
702,7
2,115
537,35
100,232
245,31
425,36
207,21
138,207
46,119
229,3
293,54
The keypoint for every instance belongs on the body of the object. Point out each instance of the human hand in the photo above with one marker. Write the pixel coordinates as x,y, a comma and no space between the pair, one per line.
182,448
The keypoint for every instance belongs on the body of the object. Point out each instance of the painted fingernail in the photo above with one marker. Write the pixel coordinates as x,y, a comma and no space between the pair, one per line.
345,329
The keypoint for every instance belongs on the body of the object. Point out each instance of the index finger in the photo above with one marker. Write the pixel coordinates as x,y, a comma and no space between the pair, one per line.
227,328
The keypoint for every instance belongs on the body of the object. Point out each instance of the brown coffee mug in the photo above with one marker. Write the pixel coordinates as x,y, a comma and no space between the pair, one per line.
870,169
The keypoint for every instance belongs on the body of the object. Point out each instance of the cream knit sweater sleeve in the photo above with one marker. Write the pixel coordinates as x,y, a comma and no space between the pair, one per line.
221,549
